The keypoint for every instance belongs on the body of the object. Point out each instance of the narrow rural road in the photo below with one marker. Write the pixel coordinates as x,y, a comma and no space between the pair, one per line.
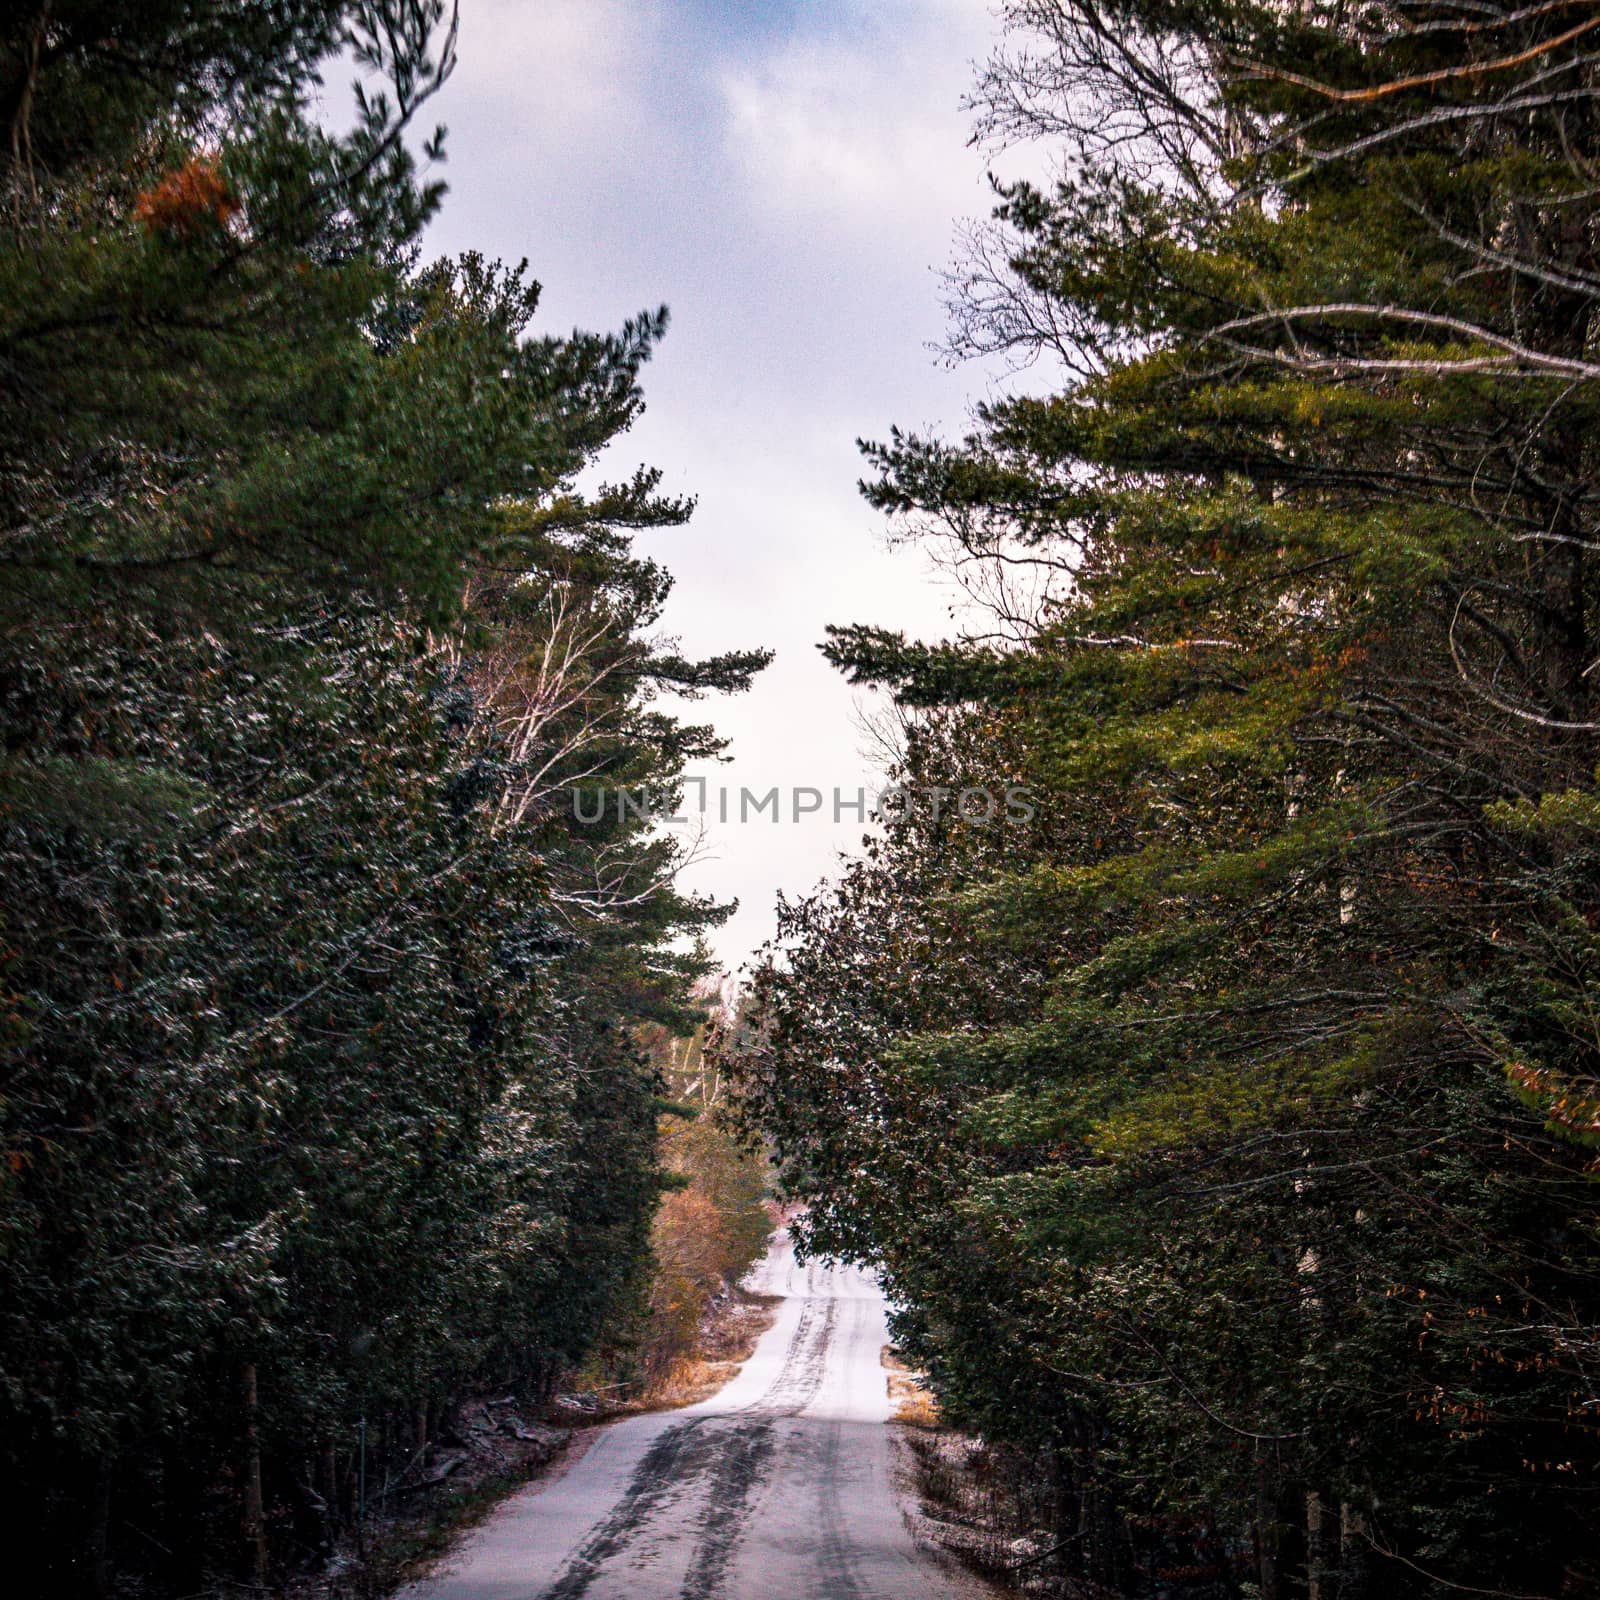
777,1488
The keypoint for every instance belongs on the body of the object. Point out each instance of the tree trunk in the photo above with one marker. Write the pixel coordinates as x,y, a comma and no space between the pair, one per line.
1269,1527
1322,1548
255,1522
331,1487
97,1544
1564,631
1355,1554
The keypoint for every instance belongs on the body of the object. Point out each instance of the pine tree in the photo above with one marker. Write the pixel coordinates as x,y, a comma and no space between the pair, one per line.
321,1097
1241,1099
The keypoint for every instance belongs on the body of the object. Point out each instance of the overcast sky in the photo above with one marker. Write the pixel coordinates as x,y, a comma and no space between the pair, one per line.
786,175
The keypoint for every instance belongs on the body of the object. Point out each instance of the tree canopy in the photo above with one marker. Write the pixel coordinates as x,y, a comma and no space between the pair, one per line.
322,1098
1226,1131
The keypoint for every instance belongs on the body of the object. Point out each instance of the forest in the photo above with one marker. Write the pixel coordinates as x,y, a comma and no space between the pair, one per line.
1227,1134
1224,1123
325,1097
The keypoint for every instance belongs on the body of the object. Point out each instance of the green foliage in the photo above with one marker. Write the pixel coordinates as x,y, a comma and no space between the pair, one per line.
320,1076
712,1225
1225,1130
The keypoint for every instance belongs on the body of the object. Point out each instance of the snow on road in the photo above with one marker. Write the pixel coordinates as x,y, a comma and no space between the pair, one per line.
777,1488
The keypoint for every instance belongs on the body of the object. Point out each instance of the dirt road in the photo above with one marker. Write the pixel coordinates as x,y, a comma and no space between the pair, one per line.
777,1488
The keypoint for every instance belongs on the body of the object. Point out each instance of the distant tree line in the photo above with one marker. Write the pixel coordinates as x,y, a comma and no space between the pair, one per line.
321,1095
713,1225
1228,1134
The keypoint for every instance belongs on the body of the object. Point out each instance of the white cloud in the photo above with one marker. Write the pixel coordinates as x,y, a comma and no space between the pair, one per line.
571,67
861,128
790,194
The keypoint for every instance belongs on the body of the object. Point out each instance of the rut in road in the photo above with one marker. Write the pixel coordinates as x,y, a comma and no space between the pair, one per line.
779,1487
732,1453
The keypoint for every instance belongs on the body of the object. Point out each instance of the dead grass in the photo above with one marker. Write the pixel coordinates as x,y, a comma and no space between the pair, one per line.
962,1492
968,1509
688,1380
726,1337
916,1409
915,1406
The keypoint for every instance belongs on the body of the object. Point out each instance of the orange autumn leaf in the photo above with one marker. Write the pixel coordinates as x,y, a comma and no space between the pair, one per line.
186,199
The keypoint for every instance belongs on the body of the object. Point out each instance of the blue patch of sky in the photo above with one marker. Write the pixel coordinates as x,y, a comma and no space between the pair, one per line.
760,18
735,21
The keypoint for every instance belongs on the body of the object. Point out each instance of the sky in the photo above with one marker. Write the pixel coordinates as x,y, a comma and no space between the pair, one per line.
787,177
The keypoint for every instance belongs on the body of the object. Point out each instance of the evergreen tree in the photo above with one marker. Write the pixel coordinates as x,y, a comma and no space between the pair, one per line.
321,1098
1242,1101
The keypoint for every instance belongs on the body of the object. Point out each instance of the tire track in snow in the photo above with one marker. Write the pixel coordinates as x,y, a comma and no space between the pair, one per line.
735,1458
748,1453
804,1364
665,1465
839,1581
746,1456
